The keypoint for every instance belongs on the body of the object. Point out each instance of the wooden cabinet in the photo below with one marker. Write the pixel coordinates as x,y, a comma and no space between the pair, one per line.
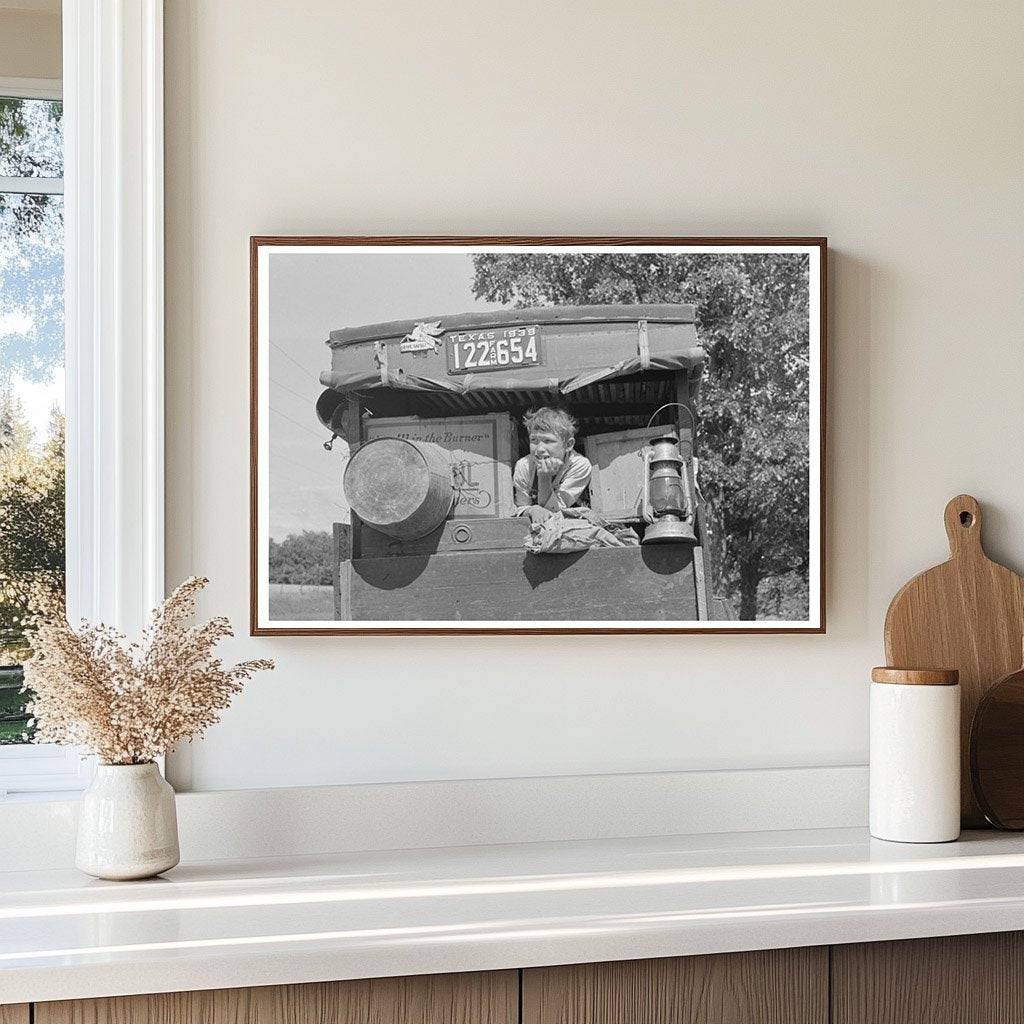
962,979
776,986
967,979
970,979
482,998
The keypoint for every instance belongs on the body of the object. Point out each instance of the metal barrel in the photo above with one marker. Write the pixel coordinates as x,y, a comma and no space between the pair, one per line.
399,487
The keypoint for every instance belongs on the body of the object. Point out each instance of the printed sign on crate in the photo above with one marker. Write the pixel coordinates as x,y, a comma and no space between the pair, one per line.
481,451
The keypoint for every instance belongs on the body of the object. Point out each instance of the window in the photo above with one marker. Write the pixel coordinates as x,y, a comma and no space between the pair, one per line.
32,549
108,206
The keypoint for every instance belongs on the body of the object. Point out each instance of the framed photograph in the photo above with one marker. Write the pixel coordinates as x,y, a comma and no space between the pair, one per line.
537,435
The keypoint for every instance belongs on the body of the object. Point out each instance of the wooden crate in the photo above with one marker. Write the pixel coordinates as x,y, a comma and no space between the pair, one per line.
617,482
452,535
481,447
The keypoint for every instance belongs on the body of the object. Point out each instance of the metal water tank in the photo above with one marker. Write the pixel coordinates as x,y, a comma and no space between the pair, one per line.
399,487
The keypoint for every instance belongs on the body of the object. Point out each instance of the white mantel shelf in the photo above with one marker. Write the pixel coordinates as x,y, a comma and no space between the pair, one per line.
275,921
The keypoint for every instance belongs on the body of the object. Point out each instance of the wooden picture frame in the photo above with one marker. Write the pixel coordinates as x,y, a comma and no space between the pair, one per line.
417,575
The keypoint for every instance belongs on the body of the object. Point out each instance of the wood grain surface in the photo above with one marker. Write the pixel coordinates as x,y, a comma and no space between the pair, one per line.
452,535
967,614
961,979
14,1013
779,986
480,998
915,676
997,752
653,582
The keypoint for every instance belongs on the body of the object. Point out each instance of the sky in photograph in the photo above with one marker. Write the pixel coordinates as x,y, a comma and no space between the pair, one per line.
311,294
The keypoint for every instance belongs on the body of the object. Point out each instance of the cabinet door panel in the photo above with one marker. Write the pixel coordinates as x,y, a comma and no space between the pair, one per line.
961,979
481,998
14,1013
777,986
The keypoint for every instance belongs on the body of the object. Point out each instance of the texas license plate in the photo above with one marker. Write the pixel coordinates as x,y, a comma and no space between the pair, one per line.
500,348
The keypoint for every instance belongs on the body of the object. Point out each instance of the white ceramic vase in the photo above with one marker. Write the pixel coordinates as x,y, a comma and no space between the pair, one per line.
127,825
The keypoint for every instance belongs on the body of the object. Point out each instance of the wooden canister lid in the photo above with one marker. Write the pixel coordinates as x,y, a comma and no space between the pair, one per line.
916,676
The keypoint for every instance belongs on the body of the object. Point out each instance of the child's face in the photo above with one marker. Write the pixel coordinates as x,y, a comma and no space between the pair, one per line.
549,448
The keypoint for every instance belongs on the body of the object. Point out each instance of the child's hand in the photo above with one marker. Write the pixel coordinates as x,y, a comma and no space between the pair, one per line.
549,465
537,514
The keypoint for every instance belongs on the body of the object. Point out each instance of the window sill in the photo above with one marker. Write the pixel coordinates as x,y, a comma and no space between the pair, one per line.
44,771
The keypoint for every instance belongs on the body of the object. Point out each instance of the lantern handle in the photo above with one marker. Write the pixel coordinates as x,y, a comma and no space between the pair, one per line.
667,405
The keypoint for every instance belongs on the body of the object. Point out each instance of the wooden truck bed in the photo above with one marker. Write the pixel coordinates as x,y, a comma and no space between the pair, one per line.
655,582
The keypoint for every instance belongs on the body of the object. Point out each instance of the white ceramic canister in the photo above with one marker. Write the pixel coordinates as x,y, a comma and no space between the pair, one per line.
915,755
127,825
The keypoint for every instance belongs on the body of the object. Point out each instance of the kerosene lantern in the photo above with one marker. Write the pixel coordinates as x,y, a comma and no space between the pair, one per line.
668,506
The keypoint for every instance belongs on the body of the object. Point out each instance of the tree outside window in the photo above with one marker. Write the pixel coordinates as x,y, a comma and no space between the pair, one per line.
31,386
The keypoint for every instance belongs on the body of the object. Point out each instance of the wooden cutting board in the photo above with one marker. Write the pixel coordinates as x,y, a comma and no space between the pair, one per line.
967,614
997,752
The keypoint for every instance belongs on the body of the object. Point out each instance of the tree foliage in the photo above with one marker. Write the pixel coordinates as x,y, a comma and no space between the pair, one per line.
31,132
752,317
31,525
31,242
306,558
31,548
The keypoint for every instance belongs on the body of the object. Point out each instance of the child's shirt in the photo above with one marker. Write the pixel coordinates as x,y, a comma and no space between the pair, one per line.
563,490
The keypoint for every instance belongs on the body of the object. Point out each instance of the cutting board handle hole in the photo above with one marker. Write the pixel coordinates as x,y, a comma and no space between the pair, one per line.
962,517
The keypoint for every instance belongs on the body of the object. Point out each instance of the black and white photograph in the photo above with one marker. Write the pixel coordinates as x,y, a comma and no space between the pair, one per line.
567,435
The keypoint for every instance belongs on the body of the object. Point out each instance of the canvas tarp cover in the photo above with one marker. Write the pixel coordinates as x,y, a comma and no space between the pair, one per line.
577,345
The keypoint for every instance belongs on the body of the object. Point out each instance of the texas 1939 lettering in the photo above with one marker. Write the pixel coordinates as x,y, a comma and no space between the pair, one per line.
479,350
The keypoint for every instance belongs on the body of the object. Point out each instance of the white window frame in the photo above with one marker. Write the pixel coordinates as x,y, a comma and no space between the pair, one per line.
32,88
114,325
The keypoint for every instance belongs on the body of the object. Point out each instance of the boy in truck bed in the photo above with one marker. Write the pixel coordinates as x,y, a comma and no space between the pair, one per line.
554,476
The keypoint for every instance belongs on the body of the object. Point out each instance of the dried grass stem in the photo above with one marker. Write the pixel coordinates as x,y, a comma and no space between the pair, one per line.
129,703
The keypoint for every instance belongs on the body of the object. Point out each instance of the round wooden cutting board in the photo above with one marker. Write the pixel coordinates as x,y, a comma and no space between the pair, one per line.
967,614
997,752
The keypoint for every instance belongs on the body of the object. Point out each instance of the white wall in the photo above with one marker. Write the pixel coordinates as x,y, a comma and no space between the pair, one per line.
895,129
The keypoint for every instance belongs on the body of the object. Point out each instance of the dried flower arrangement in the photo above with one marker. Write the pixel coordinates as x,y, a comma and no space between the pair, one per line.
129,703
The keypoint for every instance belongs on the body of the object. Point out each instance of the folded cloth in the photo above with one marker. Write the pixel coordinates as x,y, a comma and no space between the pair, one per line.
577,529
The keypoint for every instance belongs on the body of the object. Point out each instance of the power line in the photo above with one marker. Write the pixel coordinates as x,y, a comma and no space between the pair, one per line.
281,384
305,369
327,479
301,426
309,469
